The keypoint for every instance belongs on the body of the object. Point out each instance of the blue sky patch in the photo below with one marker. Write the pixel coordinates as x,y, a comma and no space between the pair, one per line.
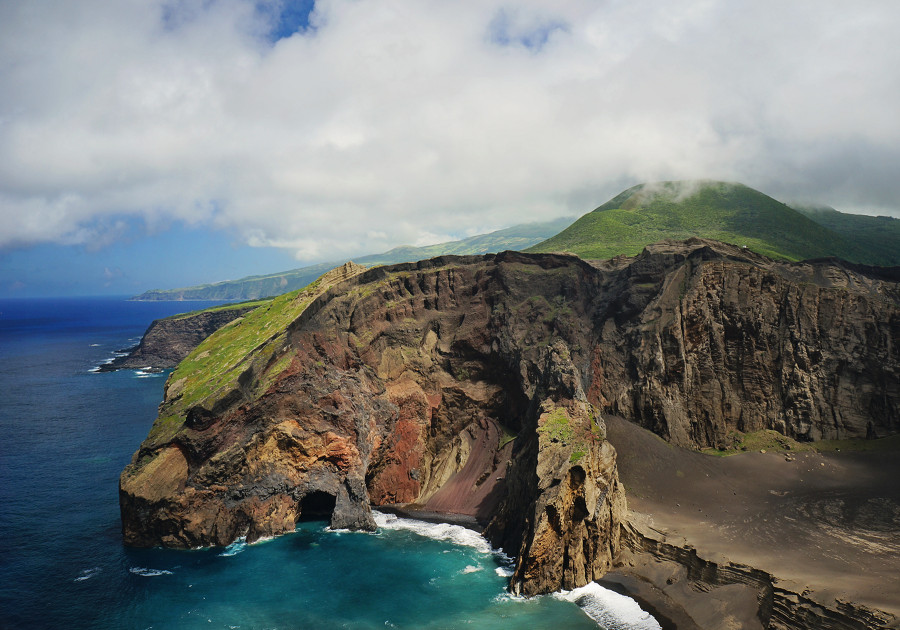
137,261
286,17
506,30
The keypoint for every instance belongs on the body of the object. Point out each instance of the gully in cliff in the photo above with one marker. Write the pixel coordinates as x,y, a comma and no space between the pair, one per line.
478,385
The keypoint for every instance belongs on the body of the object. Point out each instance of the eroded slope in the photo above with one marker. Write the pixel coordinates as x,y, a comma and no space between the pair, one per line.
405,384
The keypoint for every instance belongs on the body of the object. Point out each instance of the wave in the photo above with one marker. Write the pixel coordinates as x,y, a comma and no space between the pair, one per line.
234,548
149,572
609,609
447,532
97,367
143,373
240,545
87,574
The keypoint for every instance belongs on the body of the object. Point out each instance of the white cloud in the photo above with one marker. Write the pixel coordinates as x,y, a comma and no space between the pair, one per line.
390,122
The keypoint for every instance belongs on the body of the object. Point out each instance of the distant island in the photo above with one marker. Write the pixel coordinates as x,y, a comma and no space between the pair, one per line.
270,285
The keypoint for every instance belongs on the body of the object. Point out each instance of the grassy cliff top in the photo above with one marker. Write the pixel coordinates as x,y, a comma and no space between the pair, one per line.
211,371
233,306
728,212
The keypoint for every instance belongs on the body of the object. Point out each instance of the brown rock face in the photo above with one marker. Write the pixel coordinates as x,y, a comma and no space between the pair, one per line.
717,338
406,384
168,341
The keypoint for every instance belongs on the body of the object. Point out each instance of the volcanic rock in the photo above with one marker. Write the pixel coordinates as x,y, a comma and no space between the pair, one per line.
406,385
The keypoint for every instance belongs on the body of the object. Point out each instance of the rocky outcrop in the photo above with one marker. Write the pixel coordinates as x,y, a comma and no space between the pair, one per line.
399,387
405,384
168,341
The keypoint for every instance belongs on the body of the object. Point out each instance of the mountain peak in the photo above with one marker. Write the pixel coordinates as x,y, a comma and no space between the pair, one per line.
724,211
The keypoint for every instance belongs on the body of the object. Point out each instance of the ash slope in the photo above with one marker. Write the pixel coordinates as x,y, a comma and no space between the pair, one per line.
398,385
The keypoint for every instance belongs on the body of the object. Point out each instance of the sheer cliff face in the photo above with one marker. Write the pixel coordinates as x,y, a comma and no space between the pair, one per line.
168,341
405,384
725,339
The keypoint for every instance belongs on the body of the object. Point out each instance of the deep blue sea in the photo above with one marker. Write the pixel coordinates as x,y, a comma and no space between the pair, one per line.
66,432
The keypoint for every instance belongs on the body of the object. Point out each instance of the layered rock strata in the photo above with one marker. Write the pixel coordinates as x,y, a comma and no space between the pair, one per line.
697,339
406,384
776,607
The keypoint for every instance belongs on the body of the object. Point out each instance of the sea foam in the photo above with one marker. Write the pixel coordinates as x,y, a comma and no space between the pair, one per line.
87,574
447,532
609,609
149,572
144,373
235,548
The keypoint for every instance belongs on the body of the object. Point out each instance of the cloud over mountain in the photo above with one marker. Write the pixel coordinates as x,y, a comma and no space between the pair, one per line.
363,125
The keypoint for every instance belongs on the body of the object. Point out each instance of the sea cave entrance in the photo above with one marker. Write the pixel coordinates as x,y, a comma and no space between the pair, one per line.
317,506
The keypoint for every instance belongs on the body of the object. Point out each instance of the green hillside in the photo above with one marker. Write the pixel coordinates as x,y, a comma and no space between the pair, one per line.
723,211
880,236
254,287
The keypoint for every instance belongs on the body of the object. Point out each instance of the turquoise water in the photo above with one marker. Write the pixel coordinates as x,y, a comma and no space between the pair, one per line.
67,432
317,578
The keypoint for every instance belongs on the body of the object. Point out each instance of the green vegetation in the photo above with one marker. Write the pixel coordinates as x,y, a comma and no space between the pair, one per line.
223,307
558,427
506,437
890,443
211,371
727,212
212,364
774,442
880,235
767,440
254,287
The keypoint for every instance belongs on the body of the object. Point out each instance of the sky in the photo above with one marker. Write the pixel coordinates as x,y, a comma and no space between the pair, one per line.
164,143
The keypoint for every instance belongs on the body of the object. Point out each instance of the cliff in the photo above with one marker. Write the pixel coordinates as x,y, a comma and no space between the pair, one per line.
701,343
405,385
168,341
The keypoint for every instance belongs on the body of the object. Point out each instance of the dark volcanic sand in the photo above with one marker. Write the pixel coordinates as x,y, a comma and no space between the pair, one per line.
824,523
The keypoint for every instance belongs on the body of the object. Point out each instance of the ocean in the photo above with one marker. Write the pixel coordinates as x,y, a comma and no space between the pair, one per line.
67,432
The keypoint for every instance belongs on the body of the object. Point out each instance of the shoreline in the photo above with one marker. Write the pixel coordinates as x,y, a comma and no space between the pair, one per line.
806,540
750,541
419,513
667,613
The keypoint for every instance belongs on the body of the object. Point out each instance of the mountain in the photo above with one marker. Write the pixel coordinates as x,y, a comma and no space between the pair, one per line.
254,287
727,212
481,386
880,236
